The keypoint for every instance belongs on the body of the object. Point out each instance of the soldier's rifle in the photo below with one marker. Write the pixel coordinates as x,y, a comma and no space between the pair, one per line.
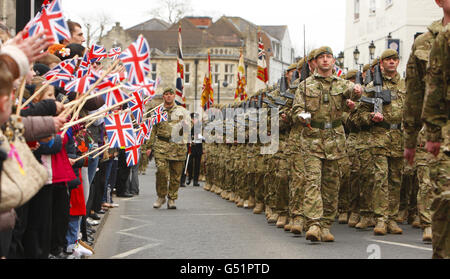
369,77
381,97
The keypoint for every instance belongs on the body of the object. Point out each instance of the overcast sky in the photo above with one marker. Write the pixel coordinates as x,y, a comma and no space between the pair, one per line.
325,19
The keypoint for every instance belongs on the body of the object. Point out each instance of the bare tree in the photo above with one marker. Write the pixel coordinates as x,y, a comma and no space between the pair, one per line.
95,25
172,10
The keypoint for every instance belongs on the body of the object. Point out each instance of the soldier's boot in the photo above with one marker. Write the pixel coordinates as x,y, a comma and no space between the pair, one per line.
219,191
288,225
159,202
416,223
171,204
297,225
380,228
365,223
401,217
273,218
353,220
227,195
393,228
251,202
326,235
237,199
313,234
223,194
282,221
268,212
343,218
259,208
232,197
213,189
427,235
240,203
207,187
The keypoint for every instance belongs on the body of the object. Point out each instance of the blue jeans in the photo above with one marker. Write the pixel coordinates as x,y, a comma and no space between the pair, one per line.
92,168
107,193
73,229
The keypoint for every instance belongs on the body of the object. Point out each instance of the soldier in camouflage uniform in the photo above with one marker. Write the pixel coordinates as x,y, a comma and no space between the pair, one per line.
387,145
169,155
415,93
436,117
323,142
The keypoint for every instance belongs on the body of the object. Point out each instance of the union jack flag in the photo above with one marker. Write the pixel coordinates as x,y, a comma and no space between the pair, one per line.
137,106
158,118
148,88
338,70
146,128
114,53
113,97
51,21
119,130
262,65
97,53
63,72
140,138
133,154
83,67
180,99
136,59
82,85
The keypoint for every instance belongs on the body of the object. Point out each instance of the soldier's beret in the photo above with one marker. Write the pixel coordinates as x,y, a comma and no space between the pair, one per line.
312,55
301,63
366,68
292,67
374,63
389,53
323,50
351,74
168,89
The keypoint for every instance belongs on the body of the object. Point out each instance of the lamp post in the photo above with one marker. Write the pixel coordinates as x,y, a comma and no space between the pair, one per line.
372,48
341,59
356,54
225,85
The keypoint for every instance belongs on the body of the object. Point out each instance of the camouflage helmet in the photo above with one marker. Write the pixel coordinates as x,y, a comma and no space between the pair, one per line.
323,50
350,74
292,67
374,63
312,55
301,63
389,53
366,68
168,89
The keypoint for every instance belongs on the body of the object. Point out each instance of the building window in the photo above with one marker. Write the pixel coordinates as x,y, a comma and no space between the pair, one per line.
389,3
229,73
154,72
373,7
356,13
215,73
187,73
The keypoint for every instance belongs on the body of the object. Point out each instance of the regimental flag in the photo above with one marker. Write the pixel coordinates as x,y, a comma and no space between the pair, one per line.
133,153
119,130
208,91
51,21
97,53
82,85
114,53
63,72
180,99
262,65
241,93
136,59
137,106
338,71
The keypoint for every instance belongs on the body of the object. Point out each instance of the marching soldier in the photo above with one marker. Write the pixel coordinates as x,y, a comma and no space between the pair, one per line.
323,141
169,155
436,117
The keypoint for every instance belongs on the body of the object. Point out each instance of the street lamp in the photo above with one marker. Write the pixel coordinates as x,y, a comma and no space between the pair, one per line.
356,54
372,48
225,85
341,59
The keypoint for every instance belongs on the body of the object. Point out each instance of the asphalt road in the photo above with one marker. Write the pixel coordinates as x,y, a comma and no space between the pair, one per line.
207,227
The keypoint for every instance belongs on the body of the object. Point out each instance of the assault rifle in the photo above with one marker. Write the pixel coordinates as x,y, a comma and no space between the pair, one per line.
381,97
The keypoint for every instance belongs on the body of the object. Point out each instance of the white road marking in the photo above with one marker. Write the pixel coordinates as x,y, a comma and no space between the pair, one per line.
134,251
401,244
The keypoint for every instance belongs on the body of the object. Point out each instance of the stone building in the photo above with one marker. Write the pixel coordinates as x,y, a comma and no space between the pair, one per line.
380,21
224,38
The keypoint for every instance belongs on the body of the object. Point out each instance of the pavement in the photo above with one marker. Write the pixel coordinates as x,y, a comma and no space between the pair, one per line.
204,226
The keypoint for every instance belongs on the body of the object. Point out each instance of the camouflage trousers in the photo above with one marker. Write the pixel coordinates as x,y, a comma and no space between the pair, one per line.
209,170
323,178
241,187
366,182
345,190
354,183
259,179
277,181
387,185
409,190
168,176
296,185
143,163
441,208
